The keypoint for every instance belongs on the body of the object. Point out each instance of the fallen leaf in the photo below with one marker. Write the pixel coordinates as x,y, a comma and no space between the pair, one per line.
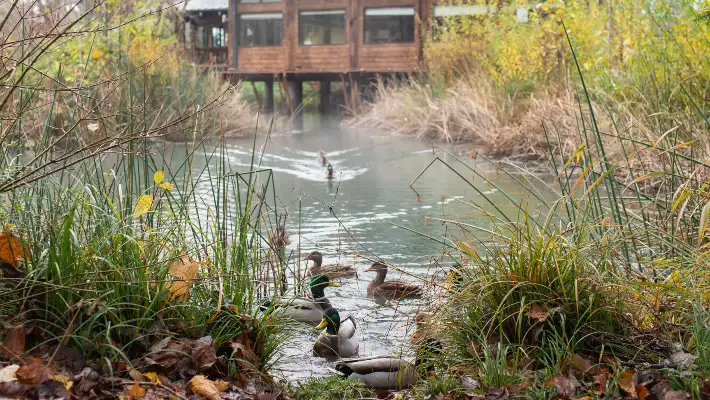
34,372
626,382
93,127
12,389
135,375
199,384
160,345
583,398
185,271
158,177
153,377
583,365
64,380
537,312
221,385
642,392
600,381
11,248
167,186
67,359
562,384
246,357
136,391
9,373
676,395
14,344
143,205
683,359
204,355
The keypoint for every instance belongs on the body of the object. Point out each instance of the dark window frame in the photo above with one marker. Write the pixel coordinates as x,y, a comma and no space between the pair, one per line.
367,41
281,37
345,27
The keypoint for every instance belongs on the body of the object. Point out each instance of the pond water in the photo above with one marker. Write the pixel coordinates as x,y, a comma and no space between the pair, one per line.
369,196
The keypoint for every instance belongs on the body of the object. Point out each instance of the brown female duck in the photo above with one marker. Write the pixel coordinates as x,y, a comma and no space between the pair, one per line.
424,329
332,271
391,290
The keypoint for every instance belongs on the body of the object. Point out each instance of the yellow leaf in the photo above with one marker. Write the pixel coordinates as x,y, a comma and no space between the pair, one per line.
10,248
167,186
158,177
153,377
144,204
185,271
64,380
221,385
204,387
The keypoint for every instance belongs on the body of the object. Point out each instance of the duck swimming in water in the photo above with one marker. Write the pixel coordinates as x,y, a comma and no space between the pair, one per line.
340,336
329,172
302,309
332,271
393,289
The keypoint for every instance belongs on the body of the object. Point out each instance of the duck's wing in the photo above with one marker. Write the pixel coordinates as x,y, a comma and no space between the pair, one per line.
334,271
326,346
399,288
368,365
348,343
299,303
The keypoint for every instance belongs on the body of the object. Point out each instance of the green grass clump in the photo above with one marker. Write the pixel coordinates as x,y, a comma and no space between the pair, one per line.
333,387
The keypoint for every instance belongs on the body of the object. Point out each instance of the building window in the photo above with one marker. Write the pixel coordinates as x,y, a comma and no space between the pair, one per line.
389,25
259,30
202,40
321,27
219,37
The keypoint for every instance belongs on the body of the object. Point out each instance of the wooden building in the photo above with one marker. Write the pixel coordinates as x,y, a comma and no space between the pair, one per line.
292,41
206,31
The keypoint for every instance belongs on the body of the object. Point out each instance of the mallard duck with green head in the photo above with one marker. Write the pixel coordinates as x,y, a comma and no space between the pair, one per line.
332,271
390,372
392,289
303,309
340,338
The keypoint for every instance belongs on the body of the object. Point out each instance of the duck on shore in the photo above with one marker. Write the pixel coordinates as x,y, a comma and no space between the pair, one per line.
340,337
423,328
329,172
332,271
303,309
392,289
390,372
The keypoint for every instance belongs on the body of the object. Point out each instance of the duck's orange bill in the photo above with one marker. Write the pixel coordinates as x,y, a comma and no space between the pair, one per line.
322,324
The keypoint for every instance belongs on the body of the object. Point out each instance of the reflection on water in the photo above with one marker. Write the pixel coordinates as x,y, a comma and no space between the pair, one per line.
369,195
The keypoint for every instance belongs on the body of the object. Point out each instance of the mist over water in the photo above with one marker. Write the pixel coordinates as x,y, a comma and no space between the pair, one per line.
369,195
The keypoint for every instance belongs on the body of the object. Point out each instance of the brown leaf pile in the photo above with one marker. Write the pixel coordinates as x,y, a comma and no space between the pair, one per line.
580,379
172,368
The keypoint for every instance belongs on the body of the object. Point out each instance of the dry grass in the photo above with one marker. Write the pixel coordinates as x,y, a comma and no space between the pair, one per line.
534,126
466,113
238,117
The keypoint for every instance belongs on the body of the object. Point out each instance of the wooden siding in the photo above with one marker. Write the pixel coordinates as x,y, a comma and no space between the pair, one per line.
322,57
355,55
254,59
383,57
